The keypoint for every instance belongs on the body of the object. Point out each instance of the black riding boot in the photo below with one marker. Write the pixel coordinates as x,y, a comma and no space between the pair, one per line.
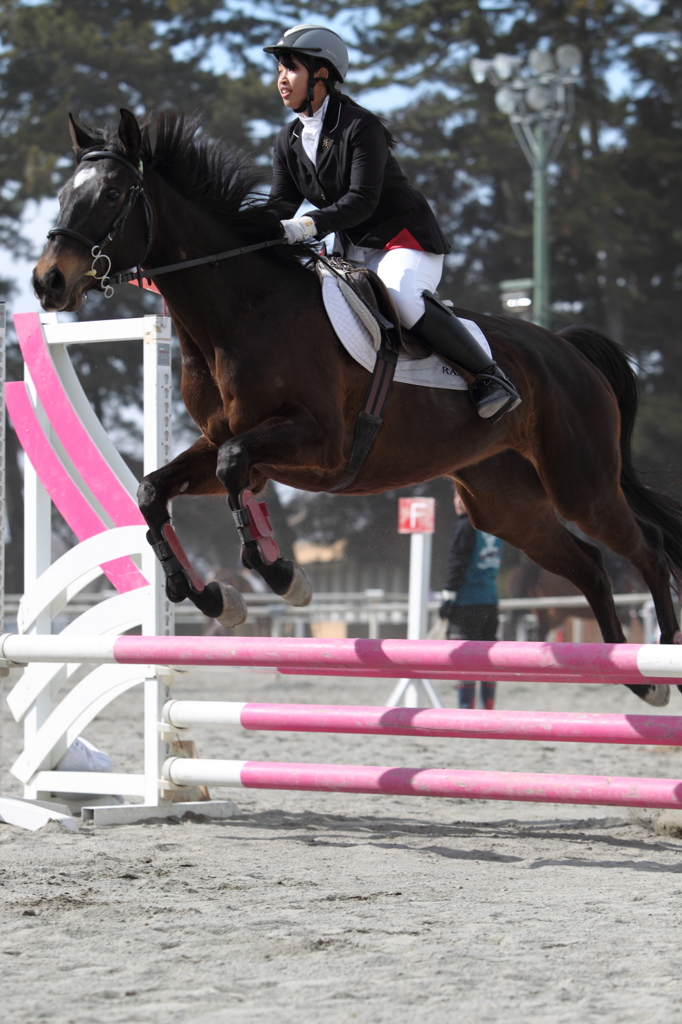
492,392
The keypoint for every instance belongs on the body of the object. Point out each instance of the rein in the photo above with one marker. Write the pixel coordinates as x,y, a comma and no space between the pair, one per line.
136,191
130,275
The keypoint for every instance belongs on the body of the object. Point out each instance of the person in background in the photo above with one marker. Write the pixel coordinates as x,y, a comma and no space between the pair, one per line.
470,595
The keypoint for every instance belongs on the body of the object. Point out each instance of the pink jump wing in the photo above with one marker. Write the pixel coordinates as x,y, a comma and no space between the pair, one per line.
67,498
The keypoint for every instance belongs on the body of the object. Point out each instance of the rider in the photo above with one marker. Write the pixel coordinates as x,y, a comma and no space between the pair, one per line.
337,155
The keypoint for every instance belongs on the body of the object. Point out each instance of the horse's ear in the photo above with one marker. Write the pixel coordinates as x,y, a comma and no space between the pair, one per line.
79,137
130,135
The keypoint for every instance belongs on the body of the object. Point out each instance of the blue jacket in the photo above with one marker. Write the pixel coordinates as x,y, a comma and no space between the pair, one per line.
473,564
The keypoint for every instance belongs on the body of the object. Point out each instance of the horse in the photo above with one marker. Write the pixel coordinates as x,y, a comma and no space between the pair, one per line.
528,580
276,396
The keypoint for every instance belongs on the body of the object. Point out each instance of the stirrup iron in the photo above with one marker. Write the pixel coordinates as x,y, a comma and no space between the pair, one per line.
502,399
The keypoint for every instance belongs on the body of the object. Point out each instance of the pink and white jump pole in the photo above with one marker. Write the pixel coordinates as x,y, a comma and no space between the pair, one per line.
556,727
597,663
444,659
398,781
440,782
443,782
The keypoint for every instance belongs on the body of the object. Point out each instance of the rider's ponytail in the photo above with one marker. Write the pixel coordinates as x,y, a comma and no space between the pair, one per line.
332,88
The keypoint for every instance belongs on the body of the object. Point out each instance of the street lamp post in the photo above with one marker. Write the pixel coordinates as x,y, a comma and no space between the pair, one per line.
539,101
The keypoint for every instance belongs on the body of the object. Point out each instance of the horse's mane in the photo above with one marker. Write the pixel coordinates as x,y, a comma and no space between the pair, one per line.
218,177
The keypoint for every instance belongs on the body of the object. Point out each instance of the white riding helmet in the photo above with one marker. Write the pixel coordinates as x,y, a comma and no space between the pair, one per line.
315,41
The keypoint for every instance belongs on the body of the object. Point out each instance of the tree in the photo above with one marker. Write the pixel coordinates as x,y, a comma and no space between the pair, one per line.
616,219
95,56
615,212
92,57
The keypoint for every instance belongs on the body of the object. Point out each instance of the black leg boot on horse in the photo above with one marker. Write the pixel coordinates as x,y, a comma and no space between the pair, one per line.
215,599
492,392
260,552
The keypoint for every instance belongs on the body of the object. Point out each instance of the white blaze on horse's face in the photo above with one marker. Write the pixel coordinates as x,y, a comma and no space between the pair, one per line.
83,175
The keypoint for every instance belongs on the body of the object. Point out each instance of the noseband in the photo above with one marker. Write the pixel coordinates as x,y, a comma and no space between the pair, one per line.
135,192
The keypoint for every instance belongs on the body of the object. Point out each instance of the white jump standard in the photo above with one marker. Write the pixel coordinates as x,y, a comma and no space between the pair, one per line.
72,464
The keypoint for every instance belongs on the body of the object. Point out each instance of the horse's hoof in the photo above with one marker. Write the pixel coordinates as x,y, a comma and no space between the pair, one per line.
658,695
234,611
300,592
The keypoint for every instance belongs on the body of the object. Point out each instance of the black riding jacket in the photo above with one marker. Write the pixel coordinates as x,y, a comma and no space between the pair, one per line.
357,185
462,544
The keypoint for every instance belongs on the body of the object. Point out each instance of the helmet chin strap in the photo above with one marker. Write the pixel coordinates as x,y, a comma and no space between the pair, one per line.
307,104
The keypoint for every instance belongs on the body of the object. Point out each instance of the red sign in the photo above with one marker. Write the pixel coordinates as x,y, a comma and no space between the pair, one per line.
416,515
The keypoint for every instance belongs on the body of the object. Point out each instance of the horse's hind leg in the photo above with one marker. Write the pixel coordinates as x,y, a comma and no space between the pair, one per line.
506,497
614,524
642,543
585,488
191,473
659,572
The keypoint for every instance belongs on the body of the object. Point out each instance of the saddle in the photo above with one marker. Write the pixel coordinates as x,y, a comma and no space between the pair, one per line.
370,299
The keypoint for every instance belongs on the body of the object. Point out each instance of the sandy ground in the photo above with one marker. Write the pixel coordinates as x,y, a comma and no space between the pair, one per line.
327,907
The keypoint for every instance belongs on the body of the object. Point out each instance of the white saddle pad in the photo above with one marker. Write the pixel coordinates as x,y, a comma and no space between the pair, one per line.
359,335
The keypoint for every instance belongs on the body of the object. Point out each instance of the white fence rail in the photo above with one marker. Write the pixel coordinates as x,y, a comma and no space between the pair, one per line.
374,609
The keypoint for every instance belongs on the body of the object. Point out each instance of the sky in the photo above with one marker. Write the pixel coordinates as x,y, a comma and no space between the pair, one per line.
38,220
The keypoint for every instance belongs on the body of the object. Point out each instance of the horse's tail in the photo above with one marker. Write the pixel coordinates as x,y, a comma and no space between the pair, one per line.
660,509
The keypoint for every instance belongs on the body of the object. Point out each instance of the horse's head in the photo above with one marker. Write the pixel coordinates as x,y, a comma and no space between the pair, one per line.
104,223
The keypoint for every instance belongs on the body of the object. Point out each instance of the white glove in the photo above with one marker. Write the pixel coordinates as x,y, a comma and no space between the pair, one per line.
298,229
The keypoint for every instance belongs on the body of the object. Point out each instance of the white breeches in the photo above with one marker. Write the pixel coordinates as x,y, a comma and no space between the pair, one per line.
405,272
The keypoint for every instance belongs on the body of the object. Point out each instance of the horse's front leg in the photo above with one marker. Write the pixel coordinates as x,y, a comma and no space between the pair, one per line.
293,440
193,472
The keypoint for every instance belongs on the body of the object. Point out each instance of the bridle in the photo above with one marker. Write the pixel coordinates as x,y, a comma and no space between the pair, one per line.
135,192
